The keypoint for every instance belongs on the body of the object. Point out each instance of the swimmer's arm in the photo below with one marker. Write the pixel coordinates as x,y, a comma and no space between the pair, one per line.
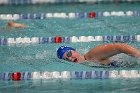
104,52
20,26
15,25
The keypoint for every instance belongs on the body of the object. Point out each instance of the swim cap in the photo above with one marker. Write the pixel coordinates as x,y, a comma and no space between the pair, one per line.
61,50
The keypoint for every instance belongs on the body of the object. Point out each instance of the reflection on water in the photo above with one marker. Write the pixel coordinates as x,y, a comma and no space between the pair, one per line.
71,86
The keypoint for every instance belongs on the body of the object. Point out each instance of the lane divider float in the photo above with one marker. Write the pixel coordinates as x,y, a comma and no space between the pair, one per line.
113,74
21,2
59,39
63,15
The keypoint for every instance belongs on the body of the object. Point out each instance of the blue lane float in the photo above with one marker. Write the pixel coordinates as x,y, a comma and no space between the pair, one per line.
26,75
3,41
66,39
32,16
119,38
90,75
5,76
19,2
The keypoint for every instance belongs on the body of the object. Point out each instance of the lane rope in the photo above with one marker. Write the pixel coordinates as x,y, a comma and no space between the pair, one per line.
21,2
113,74
73,39
68,15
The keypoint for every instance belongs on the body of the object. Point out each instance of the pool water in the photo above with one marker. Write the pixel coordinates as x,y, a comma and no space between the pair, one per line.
42,57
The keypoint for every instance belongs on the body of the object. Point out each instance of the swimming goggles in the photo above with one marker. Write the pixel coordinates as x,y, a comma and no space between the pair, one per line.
68,54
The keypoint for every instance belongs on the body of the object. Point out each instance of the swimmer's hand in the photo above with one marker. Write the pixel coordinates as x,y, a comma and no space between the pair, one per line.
11,24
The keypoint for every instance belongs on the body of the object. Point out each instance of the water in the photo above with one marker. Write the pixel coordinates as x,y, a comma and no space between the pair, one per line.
72,86
42,57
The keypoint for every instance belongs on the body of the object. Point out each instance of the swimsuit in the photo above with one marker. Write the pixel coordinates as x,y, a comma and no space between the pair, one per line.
113,63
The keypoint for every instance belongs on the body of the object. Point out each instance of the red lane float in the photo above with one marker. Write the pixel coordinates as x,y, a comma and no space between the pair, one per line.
16,76
58,39
91,14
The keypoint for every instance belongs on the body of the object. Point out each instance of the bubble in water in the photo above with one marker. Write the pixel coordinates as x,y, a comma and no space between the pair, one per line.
138,60
41,55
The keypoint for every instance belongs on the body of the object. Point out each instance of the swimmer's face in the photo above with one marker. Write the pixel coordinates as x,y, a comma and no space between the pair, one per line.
71,55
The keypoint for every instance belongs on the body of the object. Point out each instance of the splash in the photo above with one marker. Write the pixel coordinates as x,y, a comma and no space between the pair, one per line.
41,55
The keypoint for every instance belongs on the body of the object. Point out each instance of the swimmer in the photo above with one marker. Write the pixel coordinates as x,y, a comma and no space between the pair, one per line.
11,24
100,54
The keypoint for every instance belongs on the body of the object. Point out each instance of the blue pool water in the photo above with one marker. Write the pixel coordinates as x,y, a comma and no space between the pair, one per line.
42,57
